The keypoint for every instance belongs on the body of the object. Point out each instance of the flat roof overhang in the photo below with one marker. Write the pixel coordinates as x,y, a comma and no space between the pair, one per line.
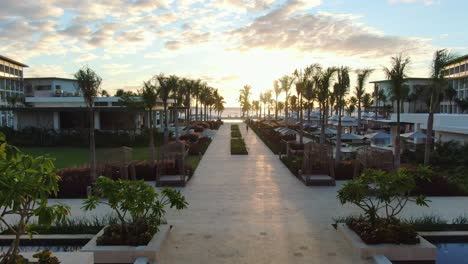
70,109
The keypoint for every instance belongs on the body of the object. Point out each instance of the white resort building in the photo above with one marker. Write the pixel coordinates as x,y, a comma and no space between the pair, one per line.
450,123
11,87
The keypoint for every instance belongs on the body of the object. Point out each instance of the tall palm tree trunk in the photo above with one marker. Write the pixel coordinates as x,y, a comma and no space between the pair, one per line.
338,138
430,128
92,146
276,108
397,138
166,124
359,117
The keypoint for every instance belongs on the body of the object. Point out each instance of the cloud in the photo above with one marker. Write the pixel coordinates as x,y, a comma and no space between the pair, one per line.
86,58
117,68
288,28
46,70
426,2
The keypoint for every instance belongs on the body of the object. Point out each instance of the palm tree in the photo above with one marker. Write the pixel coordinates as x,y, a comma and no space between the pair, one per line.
244,99
352,102
322,97
367,101
396,75
341,89
280,107
219,104
149,97
256,107
165,88
277,90
89,84
362,76
197,84
286,82
268,99
438,86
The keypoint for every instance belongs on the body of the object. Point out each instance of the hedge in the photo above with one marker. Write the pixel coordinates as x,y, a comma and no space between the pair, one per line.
238,147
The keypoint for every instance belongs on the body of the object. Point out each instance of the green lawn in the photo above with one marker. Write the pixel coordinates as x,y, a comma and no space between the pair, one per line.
68,156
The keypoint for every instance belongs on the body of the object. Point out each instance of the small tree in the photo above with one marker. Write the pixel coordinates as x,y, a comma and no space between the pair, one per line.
89,84
26,182
383,192
136,204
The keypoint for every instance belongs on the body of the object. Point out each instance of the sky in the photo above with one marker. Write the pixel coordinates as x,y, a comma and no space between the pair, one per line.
227,43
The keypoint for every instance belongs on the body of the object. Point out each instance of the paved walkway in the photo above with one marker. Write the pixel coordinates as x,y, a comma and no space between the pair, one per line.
250,209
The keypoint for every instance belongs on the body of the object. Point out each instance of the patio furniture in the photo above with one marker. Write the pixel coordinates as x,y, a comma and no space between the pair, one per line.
317,165
116,163
170,168
373,158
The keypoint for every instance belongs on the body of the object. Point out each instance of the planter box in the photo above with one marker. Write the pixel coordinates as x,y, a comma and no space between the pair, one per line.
127,254
65,257
424,251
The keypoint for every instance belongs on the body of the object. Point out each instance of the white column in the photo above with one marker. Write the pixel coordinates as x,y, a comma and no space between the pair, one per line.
56,116
97,120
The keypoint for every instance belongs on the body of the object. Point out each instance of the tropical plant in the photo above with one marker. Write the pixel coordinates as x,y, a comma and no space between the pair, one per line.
267,100
341,89
105,93
166,86
89,84
26,183
367,101
352,102
360,90
219,104
280,107
136,205
148,96
396,75
244,99
277,90
323,94
376,192
438,86
286,82
256,107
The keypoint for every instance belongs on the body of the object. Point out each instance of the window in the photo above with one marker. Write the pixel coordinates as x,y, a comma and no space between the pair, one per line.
58,87
462,68
43,87
457,69
117,104
2,68
100,104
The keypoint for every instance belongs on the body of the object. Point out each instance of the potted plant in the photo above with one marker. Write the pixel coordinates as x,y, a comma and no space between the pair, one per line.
26,183
382,196
141,227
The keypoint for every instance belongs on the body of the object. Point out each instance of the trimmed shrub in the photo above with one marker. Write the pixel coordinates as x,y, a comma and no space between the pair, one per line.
235,134
190,137
74,182
238,147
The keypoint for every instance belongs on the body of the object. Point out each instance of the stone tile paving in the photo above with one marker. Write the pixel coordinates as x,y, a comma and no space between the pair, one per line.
250,209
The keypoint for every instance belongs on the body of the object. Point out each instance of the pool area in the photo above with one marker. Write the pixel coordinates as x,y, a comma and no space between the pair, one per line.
450,249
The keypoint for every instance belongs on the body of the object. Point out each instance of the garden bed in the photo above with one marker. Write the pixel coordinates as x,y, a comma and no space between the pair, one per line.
127,254
238,147
423,251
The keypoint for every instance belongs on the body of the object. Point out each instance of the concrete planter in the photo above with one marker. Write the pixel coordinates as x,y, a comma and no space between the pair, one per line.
127,254
65,257
424,251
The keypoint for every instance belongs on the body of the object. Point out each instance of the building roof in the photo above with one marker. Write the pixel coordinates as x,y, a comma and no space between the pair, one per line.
406,79
50,78
458,59
13,61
